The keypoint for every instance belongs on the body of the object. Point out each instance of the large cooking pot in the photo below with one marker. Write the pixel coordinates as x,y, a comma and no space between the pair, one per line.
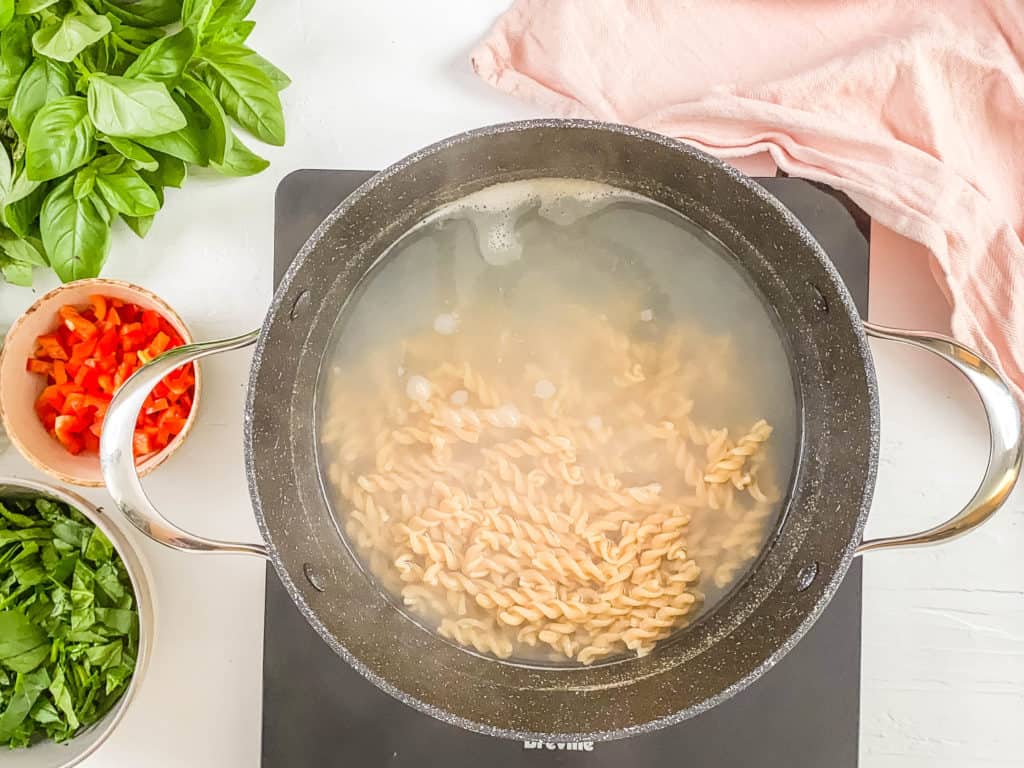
804,561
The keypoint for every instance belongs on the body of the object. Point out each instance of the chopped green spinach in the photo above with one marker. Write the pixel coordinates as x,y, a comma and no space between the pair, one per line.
69,628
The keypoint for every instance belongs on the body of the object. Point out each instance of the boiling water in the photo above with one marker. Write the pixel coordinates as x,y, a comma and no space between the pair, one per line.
556,365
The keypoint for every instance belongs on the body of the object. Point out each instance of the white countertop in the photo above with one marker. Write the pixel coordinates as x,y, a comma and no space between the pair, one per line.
943,664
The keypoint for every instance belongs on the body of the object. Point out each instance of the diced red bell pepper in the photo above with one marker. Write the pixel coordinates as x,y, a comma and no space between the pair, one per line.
150,322
156,347
106,347
77,324
50,346
75,403
100,403
99,307
86,378
157,406
144,443
49,419
133,337
89,355
90,442
66,428
39,366
180,383
81,352
51,397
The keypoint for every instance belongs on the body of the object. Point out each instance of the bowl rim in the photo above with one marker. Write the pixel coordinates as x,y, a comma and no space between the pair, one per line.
142,581
169,313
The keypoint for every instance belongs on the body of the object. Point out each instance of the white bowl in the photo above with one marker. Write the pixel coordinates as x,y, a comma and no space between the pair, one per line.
48,754
19,388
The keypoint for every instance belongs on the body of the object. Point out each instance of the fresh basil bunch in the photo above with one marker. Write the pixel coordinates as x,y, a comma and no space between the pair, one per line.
104,104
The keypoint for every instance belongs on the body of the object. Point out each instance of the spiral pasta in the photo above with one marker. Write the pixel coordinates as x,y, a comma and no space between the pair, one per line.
549,513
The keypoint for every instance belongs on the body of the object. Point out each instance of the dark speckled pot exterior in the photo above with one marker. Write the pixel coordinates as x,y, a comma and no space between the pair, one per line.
718,656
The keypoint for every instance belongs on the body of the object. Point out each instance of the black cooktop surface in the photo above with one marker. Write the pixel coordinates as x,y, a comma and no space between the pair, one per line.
804,713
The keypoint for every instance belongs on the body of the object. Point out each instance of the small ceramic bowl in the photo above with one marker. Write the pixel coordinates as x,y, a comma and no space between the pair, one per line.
19,388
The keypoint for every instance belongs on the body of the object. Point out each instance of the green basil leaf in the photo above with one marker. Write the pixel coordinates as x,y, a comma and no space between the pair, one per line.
104,56
126,193
225,51
25,251
6,12
278,78
140,36
85,182
229,12
16,272
241,161
44,81
171,173
139,157
121,106
15,55
228,51
196,13
22,186
25,7
158,191
20,216
217,131
188,144
235,34
74,33
76,234
61,139
166,59
246,93
6,174
143,13
109,163
140,225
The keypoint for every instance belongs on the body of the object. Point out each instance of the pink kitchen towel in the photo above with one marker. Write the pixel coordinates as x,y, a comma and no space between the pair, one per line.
915,108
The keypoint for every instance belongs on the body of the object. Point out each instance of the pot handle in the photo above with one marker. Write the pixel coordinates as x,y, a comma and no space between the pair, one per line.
1005,447
117,458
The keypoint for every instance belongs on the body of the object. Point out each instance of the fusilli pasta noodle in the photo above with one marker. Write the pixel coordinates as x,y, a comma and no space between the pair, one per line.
578,517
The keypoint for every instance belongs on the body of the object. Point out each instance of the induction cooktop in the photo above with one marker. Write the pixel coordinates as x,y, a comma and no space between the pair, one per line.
803,713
